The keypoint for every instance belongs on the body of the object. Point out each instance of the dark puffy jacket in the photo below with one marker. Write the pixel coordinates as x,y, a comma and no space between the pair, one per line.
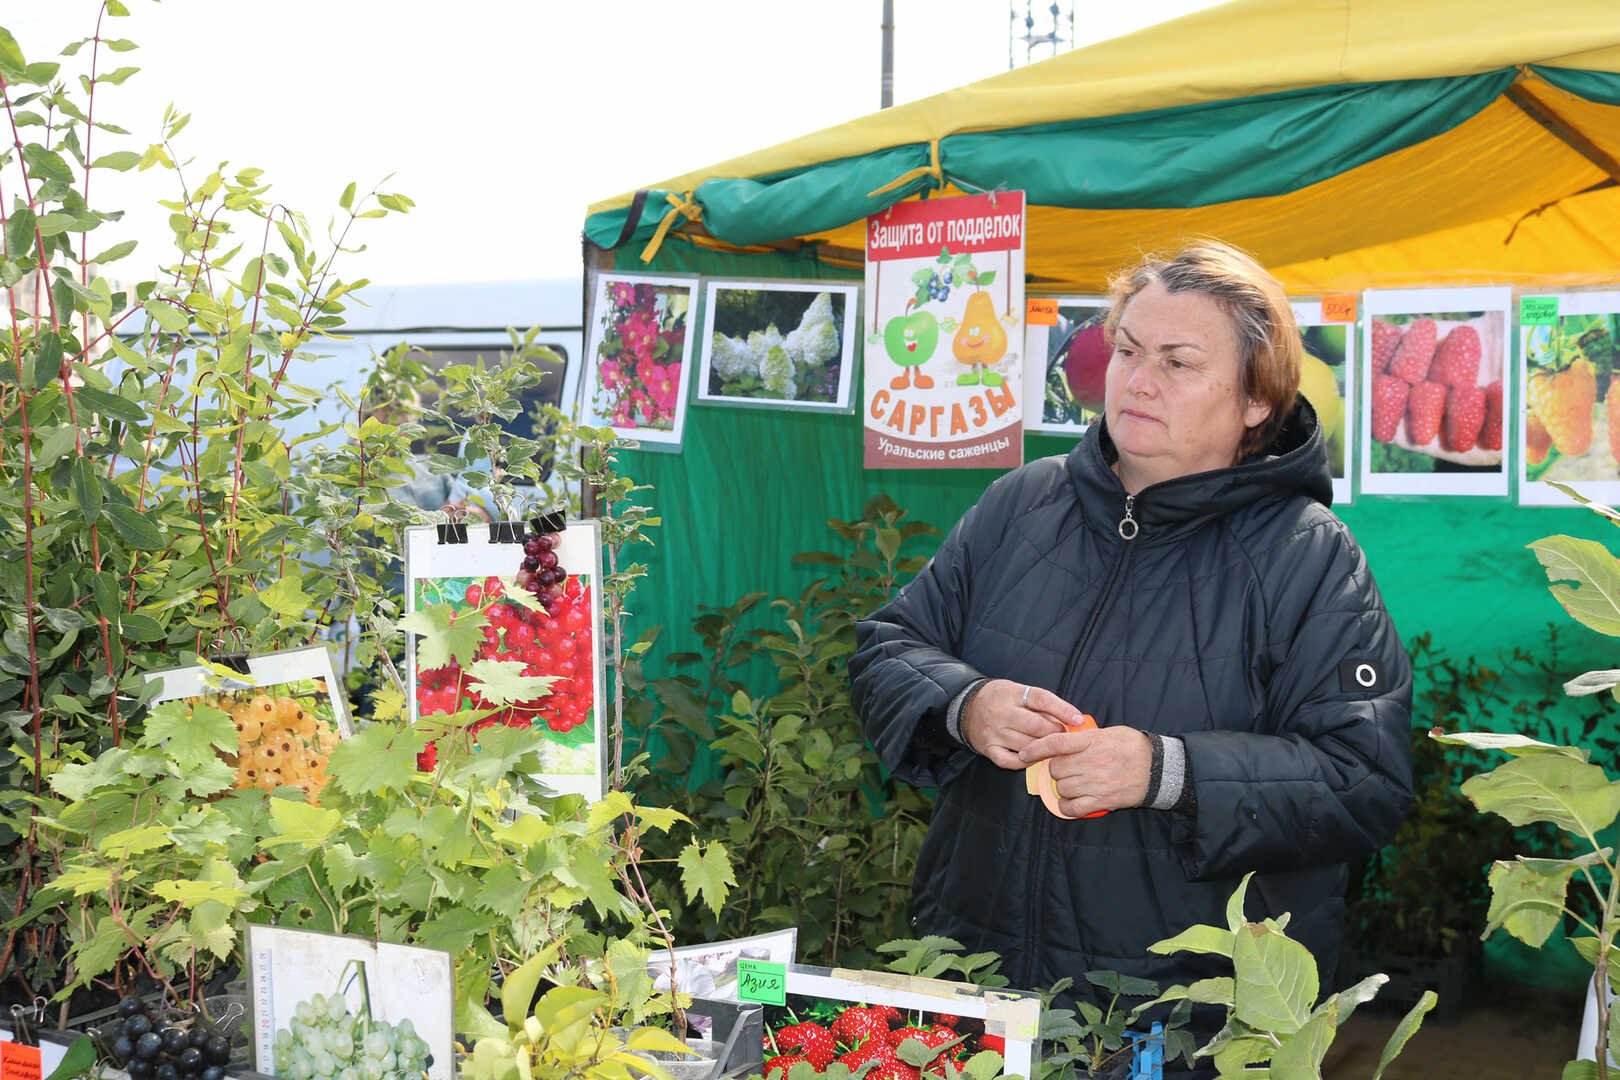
1239,619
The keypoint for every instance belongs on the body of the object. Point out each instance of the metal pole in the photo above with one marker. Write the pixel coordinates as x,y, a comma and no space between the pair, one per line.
888,54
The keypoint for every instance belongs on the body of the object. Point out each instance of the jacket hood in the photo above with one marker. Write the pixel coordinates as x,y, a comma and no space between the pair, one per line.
1294,464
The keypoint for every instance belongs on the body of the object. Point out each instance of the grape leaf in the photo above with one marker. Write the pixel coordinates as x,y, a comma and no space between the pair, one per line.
200,827
211,928
380,757
191,893
75,782
286,597
300,823
503,681
387,704
443,640
189,734
706,871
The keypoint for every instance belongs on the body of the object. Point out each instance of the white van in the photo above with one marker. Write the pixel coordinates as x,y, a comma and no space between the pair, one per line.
452,324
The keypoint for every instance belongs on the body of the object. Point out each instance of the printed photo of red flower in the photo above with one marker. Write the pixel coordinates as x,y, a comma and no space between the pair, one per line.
641,337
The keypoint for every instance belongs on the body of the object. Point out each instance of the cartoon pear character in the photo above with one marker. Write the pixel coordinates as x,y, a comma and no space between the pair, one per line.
980,341
910,340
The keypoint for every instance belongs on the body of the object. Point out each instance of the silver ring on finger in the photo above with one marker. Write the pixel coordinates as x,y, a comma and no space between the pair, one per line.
1024,701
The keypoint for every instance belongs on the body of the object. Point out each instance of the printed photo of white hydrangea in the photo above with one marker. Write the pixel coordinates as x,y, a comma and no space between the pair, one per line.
778,343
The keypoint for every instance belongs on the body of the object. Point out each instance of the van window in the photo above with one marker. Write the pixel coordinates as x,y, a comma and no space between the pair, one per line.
548,391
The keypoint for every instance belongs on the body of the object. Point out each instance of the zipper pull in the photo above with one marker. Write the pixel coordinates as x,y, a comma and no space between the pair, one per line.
1127,524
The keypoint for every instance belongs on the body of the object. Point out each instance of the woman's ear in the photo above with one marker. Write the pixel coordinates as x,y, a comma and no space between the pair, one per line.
1255,413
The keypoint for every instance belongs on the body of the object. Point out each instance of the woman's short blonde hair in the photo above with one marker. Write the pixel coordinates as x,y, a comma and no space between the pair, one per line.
1269,346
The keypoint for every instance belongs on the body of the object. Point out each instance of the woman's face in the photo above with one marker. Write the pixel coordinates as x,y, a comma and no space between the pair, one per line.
1174,403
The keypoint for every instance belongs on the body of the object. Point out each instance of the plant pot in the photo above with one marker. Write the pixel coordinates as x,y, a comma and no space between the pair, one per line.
683,1067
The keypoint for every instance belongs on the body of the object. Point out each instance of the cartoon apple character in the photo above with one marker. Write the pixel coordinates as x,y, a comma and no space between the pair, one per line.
910,340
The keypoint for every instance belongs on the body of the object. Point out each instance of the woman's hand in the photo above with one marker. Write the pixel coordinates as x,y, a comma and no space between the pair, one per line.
1004,717
1095,769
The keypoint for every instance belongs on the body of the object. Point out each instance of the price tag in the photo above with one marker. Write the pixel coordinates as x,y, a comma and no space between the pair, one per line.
1341,307
19,1062
761,981
1041,311
1538,310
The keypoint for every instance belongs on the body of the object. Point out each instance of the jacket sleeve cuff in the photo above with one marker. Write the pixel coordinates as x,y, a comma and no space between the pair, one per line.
1169,781
958,705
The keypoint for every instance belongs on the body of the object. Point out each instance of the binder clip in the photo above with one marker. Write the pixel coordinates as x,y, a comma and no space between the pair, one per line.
551,522
236,659
506,532
25,1022
453,531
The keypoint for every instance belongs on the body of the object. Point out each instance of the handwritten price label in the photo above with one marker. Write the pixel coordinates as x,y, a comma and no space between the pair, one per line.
761,981
1538,311
1340,307
1041,311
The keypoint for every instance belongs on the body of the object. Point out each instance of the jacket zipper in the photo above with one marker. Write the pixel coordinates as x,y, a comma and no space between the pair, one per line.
1127,530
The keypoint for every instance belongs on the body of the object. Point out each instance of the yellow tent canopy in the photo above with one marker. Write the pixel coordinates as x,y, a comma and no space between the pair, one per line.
1349,143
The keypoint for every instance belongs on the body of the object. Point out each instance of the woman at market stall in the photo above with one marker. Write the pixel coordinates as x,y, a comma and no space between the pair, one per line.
1179,578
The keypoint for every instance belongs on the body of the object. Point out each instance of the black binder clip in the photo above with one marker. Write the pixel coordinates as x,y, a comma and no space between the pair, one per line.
237,658
552,522
453,531
26,1021
506,532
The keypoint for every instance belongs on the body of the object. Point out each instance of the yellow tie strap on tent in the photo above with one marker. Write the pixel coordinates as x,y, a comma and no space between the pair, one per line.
931,169
682,205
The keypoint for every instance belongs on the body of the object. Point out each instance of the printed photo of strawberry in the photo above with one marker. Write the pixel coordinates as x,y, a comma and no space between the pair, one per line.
1424,407
781,1064
1431,410
1490,435
1386,339
1456,363
1563,399
809,1039
1416,353
1389,396
860,1024
1465,416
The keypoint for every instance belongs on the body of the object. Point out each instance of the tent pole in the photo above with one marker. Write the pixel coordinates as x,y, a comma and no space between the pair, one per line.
887,93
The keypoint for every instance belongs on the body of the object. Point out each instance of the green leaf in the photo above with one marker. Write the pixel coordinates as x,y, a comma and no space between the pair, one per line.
1526,901
114,253
167,315
888,543
286,597
1301,1053
380,757
1276,980
134,841
987,277
706,871
1405,1030
110,405
1574,795
134,529
1511,744
517,992
1580,1070
86,489
121,161
79,781
346,200
19,234
442,640
297,822
47,365
189,735
78,1061
189,894
1596,601
503,681
1235,919
1197,939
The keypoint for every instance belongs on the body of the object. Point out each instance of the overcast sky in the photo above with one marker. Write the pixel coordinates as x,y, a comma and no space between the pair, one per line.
503,120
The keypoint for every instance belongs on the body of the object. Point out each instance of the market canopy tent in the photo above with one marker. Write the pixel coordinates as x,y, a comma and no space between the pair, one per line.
1349,144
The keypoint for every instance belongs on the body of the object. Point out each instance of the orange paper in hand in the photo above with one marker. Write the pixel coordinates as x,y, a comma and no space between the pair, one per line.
1038,779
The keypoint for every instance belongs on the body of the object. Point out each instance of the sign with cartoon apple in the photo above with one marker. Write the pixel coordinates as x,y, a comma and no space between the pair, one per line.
944,330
